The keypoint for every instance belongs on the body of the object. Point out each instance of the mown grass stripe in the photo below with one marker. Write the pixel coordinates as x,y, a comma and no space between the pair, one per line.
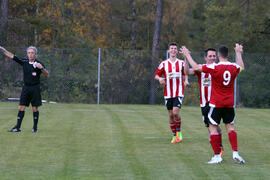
127,146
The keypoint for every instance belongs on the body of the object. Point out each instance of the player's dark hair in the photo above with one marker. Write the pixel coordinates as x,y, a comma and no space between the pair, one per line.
223,51
172,44
209,49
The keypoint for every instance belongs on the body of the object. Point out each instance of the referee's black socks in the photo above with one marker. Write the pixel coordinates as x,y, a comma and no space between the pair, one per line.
19,119
35,119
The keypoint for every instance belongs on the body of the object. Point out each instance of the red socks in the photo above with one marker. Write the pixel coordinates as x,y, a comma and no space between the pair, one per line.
215,140
220,140
233,139
173,128
178,124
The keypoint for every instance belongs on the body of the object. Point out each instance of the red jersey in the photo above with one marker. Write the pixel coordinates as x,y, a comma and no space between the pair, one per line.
173,73
204,80
223,75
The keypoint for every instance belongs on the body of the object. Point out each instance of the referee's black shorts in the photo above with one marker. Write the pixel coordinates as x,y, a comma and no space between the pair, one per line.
31,94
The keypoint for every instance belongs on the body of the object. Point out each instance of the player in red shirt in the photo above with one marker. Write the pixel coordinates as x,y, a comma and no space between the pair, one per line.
222,97
173,71
204,80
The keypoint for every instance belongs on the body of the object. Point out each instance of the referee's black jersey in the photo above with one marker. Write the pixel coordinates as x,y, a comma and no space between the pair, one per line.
31,74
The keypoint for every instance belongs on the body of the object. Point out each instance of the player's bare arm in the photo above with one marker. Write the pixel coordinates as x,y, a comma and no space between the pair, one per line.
7,53
238,51
186,67
43,70
186,53
160,79
186,83
188,71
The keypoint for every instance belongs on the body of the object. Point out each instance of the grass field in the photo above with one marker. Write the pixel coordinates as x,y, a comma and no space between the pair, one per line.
80,141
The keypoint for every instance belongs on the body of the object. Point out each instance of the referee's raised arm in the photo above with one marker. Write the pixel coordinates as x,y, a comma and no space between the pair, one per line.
7,53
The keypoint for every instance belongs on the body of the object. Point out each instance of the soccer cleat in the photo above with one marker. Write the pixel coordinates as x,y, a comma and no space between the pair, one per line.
216,159
238,159
34,130
178,140
15,129
221,152
179,135
174,139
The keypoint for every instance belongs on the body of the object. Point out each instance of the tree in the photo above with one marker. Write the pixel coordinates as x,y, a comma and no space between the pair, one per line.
3,20
155,49
243,21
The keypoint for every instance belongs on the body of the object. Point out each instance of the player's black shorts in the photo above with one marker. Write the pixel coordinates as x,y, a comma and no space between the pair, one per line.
205,111
31,94
215,115
173,102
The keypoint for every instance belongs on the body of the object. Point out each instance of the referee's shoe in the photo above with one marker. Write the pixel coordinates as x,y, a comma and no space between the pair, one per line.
15,129
34,130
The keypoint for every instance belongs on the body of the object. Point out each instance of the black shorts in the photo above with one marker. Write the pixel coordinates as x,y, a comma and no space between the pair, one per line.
215,115
31,94
205,111
173,102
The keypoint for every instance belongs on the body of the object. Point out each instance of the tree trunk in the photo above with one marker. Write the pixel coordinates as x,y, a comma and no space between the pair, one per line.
35,29
133,25
245,13
155,50
3,21
52,84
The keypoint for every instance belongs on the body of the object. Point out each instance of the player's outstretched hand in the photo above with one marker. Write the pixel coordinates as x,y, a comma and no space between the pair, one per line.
238,48
183,50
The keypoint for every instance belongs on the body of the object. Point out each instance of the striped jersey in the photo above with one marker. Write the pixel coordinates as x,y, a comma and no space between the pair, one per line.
173,73
204,80
223,75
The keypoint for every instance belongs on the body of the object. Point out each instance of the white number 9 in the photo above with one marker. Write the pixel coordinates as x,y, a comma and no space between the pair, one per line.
226,77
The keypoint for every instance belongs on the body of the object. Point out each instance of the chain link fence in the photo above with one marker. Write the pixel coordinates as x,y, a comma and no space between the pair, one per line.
125,77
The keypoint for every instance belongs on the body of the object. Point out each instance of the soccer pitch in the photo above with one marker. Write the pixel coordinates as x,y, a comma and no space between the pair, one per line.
82,141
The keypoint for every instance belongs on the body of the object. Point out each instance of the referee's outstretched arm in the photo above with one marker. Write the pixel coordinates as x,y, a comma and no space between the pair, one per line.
7,53
38,65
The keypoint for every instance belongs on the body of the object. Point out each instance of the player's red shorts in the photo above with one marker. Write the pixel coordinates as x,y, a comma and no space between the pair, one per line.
215,115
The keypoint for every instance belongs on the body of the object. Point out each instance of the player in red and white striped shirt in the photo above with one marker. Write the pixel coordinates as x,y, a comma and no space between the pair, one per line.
204,80
173,71
222,97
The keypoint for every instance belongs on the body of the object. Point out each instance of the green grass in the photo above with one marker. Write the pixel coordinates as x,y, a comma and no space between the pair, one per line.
80,141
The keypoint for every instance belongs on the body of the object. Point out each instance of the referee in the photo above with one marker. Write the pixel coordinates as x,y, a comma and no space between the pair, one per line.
32,69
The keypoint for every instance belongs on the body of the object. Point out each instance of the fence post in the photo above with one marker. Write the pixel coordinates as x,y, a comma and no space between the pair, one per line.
98,90
235,85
